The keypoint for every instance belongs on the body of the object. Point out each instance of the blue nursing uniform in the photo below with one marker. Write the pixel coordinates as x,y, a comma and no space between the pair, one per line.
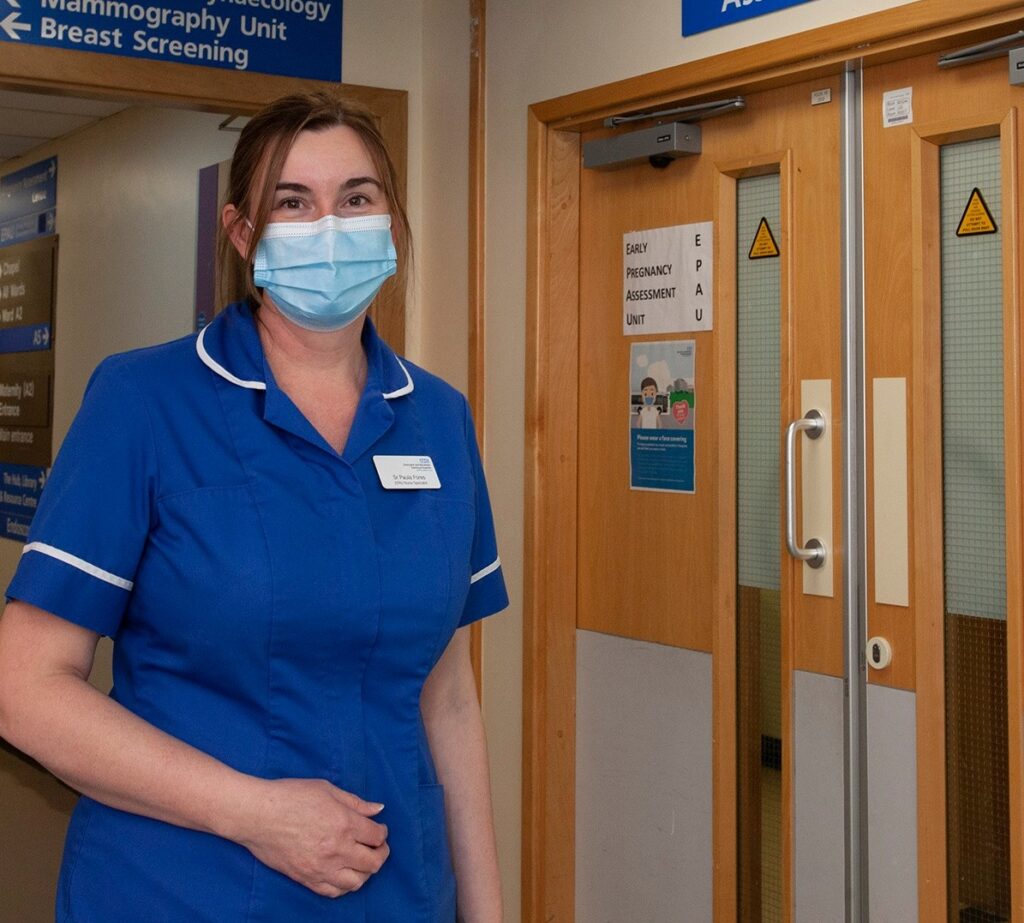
272,604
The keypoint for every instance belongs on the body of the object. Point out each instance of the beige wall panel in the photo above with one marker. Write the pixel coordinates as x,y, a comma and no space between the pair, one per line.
892,540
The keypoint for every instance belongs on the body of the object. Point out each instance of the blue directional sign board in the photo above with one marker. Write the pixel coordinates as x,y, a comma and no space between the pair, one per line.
28,273
20,487
291,38
702,15
28,202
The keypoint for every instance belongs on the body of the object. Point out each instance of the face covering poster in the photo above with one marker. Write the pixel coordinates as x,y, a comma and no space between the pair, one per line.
662,422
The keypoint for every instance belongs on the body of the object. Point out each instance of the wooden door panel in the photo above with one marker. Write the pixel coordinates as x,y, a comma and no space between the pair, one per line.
687,597
903,341
673,600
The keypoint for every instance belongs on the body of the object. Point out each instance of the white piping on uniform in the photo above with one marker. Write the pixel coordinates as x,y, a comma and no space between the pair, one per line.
406,388
209,361
489,569
85,566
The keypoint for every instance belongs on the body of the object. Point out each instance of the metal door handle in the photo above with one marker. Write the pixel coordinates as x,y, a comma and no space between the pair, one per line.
814,551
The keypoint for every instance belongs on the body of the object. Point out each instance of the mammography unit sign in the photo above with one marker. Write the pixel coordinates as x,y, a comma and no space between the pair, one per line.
293,38
666,279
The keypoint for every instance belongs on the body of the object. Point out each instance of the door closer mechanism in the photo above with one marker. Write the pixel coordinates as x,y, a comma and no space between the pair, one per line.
659,144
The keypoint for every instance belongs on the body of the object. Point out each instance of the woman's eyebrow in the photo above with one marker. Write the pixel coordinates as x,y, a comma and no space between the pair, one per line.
361,181
348,184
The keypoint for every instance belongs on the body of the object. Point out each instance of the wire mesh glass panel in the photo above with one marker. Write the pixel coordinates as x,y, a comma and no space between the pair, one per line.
758,333
758,330
974,517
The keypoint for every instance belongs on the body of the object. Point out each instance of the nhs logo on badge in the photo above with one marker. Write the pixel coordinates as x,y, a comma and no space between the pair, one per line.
702,15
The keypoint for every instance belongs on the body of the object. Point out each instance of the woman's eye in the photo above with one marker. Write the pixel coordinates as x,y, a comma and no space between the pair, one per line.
357,201
290,204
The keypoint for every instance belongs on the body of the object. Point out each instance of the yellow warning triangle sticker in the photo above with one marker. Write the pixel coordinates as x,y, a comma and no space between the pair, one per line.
764,243
976,219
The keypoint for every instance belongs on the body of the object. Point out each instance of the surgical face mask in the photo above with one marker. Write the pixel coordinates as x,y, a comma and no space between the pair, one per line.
323,274
648,400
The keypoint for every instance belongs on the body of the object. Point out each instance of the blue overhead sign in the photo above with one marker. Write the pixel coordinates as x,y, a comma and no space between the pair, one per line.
28,202
290,38
701,15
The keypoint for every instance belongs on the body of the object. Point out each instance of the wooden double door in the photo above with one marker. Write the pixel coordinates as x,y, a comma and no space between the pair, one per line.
794,506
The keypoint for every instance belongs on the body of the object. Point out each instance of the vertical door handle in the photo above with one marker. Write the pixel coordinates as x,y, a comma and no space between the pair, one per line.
814,551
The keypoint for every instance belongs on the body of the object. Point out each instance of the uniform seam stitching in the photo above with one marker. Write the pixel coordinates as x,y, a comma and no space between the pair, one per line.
152,438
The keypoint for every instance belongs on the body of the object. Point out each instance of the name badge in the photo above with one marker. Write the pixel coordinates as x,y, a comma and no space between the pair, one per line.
406,472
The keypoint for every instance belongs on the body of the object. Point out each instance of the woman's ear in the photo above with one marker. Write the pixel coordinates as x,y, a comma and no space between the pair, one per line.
237,229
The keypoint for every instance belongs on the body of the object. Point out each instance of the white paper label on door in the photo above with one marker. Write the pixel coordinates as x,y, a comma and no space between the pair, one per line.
898,107
666,279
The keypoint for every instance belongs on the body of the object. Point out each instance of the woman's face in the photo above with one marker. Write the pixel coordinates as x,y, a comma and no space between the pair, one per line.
328,172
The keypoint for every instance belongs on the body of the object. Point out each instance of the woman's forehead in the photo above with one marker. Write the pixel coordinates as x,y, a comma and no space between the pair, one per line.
338,151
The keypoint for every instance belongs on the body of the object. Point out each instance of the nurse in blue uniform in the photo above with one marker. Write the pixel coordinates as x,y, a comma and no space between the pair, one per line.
285,529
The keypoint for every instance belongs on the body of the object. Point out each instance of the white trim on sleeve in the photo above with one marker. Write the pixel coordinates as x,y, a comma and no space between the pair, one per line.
210,362
483,572
91,569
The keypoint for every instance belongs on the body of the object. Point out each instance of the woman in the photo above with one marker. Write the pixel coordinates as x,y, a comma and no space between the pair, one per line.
286,531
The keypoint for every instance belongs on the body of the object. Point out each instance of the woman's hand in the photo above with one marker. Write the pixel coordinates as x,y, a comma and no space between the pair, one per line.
317,834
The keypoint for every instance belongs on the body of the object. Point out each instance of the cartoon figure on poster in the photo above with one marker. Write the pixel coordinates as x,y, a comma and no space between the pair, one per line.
662,420
648,411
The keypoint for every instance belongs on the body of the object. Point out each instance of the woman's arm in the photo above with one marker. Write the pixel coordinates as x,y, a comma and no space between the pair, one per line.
306,828
451,713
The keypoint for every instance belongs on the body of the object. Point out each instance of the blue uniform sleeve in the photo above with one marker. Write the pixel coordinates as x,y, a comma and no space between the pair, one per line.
487,593
95,510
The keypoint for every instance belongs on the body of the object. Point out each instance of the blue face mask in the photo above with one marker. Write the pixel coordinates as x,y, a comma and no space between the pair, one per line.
648,400
323,274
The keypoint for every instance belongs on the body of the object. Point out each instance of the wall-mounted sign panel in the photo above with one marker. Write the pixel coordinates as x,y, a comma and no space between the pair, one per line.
27,276
28,198
20,487
24,396
290,38
666,279
701,15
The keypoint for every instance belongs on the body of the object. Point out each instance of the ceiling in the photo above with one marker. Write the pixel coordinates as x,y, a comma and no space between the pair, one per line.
28,120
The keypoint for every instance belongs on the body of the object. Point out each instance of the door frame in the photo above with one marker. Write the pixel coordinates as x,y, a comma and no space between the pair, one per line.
550,565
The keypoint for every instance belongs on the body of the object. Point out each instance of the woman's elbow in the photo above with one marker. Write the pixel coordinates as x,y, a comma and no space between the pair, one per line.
36,649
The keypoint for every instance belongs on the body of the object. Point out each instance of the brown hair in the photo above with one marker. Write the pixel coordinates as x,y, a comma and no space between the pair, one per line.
256,168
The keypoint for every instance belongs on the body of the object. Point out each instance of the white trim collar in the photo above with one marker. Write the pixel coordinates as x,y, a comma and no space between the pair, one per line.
381,349
407,388
210,362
